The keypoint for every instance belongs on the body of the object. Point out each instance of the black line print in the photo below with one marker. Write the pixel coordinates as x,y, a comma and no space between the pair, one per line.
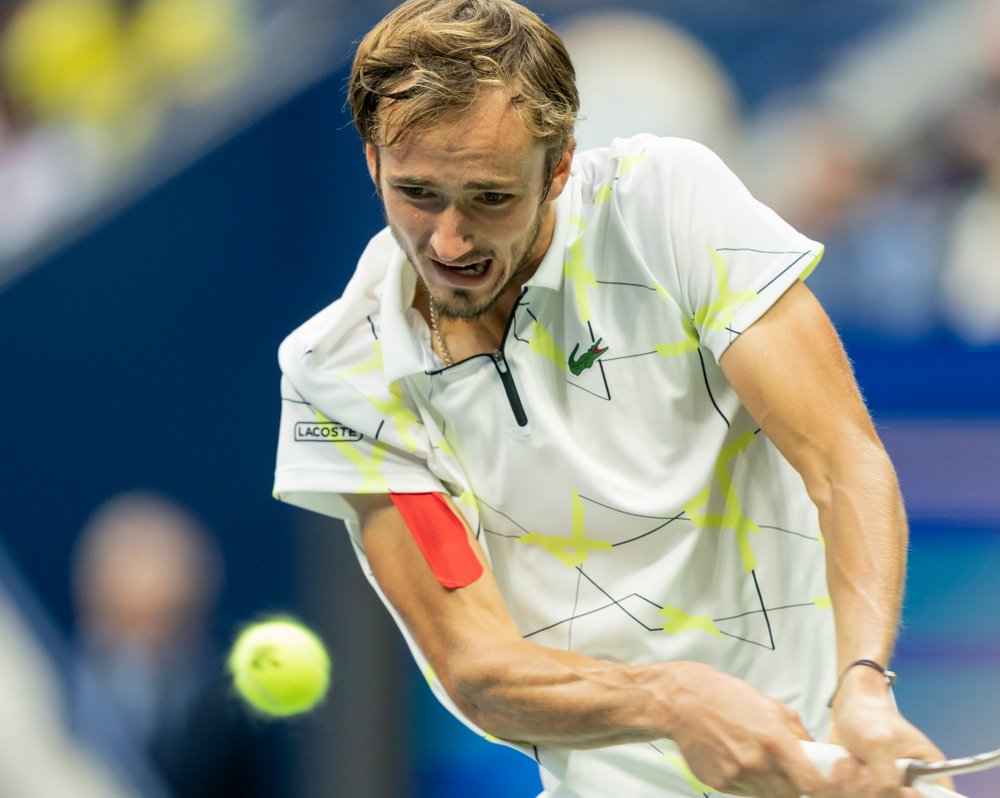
704,374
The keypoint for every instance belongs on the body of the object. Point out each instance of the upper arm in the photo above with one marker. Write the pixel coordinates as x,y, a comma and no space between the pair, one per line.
455,628
792,374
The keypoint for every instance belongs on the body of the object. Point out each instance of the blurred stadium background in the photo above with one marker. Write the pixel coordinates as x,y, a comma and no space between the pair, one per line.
180,186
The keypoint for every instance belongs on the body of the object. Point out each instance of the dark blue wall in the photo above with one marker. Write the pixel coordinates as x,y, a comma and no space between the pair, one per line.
144,355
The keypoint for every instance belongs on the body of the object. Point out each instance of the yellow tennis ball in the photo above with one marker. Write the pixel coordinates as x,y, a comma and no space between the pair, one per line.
279,667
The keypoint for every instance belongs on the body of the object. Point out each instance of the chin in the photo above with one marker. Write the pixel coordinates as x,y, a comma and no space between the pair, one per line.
465,308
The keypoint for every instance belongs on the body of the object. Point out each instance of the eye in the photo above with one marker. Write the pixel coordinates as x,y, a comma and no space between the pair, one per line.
493,197
414,192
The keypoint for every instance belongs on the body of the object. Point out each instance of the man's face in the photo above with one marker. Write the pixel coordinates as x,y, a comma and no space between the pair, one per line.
467,202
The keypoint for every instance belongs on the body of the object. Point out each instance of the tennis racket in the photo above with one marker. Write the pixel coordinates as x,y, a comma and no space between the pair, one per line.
916,772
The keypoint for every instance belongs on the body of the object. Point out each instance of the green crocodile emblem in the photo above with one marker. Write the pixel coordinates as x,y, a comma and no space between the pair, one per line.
578,365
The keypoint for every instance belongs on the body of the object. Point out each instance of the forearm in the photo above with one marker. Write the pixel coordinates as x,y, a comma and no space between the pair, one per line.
520,691
864,525
866,532
734,737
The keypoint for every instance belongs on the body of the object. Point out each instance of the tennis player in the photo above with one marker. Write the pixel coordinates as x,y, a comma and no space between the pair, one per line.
598,447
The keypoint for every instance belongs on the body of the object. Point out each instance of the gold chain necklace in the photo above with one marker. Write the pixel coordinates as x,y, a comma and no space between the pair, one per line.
445,354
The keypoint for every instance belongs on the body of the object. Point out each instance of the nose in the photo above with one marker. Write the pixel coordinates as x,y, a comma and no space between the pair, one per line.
450,239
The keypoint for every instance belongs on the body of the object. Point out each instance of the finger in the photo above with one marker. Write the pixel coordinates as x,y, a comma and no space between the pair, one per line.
774,784
798,769
849,771
885,782
780,769
926,750
880,767
921,747
847,779
794,723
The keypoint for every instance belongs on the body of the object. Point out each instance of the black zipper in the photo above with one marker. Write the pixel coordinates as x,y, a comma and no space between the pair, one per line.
503,369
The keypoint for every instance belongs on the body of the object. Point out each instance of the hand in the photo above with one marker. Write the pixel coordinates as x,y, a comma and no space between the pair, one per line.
868,724
738,740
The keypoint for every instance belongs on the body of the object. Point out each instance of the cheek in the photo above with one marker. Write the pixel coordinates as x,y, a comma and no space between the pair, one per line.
404,219
528,231
514,233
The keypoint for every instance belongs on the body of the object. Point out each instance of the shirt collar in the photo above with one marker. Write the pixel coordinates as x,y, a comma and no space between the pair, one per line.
402,353
549,273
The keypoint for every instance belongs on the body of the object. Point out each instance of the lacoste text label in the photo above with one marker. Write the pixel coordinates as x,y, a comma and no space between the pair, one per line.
325,431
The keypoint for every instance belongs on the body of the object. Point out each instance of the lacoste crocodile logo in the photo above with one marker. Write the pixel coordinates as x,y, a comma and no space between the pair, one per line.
578,365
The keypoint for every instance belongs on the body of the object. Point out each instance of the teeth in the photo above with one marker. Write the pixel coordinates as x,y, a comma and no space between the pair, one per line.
473,269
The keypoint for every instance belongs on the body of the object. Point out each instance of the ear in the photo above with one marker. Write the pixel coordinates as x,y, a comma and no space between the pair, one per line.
560,176
371,156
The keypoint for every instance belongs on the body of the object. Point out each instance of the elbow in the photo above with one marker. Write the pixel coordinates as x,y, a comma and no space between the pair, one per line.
853,469
471,684
492,690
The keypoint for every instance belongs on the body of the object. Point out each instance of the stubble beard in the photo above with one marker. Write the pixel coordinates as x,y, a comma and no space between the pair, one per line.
461,304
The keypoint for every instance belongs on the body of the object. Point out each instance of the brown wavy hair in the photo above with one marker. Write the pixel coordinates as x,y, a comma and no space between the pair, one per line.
429,59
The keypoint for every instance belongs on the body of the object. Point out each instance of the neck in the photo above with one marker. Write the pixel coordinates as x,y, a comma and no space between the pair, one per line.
457,339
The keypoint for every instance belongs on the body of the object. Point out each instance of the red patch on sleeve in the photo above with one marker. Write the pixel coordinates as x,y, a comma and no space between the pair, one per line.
441,536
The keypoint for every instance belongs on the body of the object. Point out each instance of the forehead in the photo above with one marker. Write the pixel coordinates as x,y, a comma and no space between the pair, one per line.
489,139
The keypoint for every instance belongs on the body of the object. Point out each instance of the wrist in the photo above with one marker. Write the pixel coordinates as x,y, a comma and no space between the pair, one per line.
863,676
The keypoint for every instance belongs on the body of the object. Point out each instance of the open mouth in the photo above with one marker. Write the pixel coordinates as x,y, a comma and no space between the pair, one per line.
466,271
472,269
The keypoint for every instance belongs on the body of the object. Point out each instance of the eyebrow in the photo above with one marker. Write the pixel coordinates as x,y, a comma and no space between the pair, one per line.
472,185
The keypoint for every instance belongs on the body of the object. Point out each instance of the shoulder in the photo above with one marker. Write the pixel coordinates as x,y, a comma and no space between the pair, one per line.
641,159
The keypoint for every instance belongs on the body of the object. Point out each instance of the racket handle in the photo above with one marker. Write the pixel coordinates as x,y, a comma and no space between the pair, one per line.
825,755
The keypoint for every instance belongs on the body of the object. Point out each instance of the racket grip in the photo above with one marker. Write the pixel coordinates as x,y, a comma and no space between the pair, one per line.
825,755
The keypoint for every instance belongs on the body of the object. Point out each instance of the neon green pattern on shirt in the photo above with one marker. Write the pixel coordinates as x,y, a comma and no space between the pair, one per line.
370,467
693,782
719,313
679,621
574,550
690,342
542,343
577,271
733,517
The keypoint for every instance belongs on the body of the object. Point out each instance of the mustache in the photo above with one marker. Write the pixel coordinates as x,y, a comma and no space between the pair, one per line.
467,260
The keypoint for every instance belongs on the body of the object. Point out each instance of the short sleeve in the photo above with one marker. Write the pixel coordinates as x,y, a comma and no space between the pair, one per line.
724,257
320,459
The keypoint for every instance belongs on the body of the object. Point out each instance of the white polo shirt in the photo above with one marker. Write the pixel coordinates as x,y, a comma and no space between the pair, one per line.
629,506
